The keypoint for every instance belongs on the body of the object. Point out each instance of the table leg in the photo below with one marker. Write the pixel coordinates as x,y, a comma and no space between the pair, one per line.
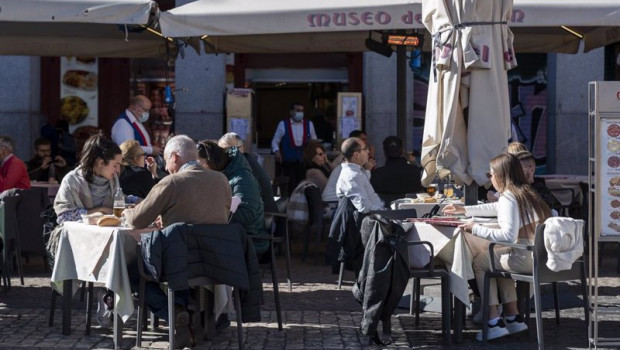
459,317
118,332
67,294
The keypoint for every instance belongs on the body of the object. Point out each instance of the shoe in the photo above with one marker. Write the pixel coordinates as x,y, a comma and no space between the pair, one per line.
517,325
497,331
222,322
105,308
477,319
182,332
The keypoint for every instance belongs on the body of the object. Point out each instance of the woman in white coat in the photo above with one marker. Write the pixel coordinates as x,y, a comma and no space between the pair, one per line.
519,209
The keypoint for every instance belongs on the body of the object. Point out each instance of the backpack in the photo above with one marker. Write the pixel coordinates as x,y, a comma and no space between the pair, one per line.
297,207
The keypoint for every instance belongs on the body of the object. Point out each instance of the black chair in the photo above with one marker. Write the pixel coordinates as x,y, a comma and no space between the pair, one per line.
540,274
278,227
431,271
388,214
8,234
235,233
315,225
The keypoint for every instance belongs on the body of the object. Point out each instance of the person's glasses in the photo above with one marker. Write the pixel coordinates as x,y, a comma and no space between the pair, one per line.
142,155
144,109
489,175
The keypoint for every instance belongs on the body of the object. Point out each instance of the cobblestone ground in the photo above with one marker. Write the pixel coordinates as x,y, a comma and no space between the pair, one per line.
316,316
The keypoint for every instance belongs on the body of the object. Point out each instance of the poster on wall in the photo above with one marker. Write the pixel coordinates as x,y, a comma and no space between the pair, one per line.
78,91
349,113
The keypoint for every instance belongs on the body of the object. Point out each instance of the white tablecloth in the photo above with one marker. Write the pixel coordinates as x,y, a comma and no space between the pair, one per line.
450,246
96,254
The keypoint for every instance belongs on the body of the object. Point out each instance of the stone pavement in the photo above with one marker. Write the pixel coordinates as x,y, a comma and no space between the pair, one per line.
316,316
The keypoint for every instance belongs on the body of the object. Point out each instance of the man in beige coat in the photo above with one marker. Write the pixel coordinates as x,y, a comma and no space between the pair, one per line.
190,194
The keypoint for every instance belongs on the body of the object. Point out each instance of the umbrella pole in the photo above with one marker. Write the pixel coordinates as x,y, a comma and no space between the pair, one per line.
401,95
471,194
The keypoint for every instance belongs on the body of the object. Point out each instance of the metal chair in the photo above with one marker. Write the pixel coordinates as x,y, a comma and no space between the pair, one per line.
431,271
540,274
273,223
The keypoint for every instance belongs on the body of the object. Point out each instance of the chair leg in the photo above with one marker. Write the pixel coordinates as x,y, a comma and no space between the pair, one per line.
340,274
307,233
485,307
237,297
584,292
411,299
52,307
288,260
89,305
538,306
171,319
446,308
417,287
276,290
141,313
556,301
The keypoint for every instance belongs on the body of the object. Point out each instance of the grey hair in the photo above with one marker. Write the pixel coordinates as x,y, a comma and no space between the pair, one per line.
7,142
230,139
183,146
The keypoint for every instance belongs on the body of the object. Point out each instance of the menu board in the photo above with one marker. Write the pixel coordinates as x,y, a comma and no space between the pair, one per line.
609,177
78,91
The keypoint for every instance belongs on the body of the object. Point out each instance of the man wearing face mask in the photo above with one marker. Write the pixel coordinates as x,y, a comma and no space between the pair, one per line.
128,126
288,141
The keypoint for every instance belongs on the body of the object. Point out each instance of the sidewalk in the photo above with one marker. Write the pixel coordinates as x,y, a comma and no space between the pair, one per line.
316,315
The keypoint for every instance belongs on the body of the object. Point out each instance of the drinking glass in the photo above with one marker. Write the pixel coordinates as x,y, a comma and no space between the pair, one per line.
431,189
448,190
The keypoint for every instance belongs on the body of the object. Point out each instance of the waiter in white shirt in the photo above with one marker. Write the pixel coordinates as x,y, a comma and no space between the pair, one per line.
288,144
128,126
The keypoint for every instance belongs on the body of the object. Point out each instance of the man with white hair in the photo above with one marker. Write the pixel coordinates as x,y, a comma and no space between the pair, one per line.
190,194
13,172
232,139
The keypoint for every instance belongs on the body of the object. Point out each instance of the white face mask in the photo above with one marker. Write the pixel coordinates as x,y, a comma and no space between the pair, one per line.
298,116
144,117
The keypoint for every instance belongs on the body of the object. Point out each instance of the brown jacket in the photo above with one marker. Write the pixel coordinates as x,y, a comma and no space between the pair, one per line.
194,195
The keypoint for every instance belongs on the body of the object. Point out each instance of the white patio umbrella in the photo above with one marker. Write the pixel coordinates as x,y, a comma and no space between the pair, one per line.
103,28
472,51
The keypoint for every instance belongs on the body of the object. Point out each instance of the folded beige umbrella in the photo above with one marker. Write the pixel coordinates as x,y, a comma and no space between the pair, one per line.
467,111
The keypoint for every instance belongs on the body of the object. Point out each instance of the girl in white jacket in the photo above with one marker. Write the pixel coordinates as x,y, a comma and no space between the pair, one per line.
518,210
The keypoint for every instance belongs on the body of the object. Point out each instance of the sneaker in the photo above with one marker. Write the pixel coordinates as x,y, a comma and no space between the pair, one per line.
497,331
105,308
222,322
477,319
517,325
182,333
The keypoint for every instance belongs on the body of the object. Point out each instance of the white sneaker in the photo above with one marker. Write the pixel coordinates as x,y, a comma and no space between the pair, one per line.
497,331
517,325
105,308
477,319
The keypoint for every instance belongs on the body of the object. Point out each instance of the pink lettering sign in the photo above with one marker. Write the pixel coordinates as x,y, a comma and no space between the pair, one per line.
341,19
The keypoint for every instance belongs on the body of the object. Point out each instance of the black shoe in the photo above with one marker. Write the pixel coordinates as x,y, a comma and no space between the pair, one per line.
222,322
182,332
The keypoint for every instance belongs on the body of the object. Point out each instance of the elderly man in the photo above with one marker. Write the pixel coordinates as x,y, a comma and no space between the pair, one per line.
128,126
13,172
353,182
191,194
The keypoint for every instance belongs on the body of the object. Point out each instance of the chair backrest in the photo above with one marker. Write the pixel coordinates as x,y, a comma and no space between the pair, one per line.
315,205
541,256
400,214
29,222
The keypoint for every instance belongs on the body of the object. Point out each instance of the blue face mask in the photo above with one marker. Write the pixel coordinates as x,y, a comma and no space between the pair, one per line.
298,116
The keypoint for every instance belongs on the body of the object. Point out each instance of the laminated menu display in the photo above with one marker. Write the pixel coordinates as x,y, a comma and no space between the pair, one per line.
78,91
609,176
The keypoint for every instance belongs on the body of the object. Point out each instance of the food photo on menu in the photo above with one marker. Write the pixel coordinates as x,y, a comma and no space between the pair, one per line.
610,164
79,84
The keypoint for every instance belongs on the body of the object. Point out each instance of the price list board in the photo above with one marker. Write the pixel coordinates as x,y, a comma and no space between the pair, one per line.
609,176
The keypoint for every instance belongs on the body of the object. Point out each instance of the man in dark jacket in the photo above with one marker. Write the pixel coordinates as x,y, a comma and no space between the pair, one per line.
397,177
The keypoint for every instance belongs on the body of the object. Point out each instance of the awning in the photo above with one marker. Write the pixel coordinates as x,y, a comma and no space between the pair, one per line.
272,26
102,28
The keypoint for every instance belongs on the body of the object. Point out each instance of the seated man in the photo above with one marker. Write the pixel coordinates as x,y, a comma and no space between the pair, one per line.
42,167
13,173
191,194
353,183
397,177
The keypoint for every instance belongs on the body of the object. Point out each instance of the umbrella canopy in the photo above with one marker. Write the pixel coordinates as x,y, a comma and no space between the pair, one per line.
272,26
472,51
103,28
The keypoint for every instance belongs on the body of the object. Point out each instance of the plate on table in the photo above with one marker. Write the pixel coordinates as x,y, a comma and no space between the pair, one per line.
453,221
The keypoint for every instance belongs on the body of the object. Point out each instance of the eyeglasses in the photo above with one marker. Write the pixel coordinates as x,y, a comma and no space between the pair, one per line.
142,155
362,149
489,175
144,109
